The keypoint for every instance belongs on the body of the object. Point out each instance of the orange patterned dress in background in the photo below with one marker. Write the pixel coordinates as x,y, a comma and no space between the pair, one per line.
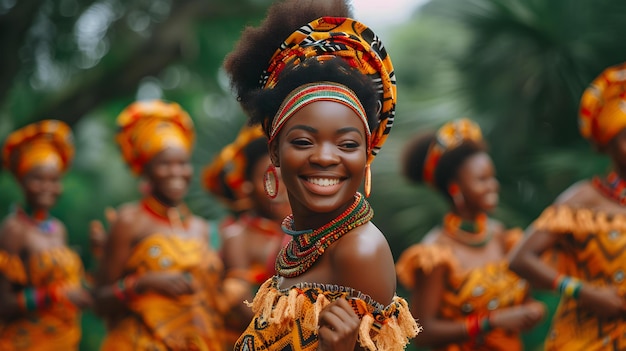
56,327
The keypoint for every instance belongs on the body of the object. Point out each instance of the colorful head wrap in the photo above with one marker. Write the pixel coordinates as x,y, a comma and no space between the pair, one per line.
448,137
148,127
603,106
228,169
47,142
329,37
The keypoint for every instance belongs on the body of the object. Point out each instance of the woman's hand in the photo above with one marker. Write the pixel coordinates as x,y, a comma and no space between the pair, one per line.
338,327
604,302
170,284
518,318
79,297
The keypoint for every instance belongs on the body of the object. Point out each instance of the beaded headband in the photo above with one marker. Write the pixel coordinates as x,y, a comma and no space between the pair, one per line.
310,93
355,43
448,137
603,106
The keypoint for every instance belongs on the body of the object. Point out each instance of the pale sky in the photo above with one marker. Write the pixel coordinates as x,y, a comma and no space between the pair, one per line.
382,14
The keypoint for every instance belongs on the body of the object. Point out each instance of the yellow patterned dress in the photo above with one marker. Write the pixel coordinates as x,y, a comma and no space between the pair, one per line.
56,327
286,319
157,322
478,291
593,249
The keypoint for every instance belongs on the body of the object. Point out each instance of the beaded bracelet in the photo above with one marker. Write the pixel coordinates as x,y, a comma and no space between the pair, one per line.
32,299
125,288
475,325
567,286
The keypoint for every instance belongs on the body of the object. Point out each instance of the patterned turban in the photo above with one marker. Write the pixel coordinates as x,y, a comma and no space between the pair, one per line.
149,127
48,142
329,37
226,174
450,136
603,106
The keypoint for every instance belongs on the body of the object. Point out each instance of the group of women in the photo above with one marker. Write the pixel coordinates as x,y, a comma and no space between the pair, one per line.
299,246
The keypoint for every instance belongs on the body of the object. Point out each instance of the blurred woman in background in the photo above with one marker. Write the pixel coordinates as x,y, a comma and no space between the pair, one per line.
41,290
586,224
458,276
159,280
252,240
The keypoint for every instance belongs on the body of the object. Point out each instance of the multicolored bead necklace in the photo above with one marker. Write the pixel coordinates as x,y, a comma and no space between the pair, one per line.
164,213
39,219
470,233
307,246
612,187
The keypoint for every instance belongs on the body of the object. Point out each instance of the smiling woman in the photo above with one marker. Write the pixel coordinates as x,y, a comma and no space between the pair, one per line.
158,286
326,101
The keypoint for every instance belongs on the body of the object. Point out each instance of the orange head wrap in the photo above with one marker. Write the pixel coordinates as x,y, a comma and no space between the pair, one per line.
226,174
149,127
47,142
603,106
448,137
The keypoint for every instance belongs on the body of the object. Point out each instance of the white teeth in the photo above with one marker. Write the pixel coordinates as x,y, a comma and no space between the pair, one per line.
323,181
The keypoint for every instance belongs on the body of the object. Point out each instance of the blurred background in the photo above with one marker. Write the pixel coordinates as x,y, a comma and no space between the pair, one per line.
518,67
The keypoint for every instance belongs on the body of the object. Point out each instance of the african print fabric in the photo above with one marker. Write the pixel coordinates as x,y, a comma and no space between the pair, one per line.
286,319
478,291
593,249
187,322
55,327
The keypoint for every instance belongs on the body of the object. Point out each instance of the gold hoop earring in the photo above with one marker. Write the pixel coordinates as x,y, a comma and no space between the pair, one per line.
270,182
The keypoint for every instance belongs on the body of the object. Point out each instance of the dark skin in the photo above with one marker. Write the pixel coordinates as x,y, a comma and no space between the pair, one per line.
479,188
41,187
321,152
248,246
169,173
605,302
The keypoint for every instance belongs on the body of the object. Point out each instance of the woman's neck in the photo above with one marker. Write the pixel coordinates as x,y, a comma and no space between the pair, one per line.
36,213
467,214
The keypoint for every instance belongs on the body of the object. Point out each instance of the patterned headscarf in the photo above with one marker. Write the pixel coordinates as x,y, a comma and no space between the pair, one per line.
48,142
603,106
149,127
448,137
228,169
329,37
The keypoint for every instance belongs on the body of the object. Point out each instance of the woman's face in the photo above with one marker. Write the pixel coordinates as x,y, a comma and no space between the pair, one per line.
169,173
277,208
321,152
42,186
477,182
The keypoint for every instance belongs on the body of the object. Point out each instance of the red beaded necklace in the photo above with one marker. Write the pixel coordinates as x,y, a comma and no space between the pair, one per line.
260,224
473,233
612,187
167,214
306,247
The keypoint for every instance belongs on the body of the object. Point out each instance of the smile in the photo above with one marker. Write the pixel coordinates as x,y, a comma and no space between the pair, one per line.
323,181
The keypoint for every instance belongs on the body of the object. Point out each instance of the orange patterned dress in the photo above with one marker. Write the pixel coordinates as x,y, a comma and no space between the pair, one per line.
188,322
593,249
478,291
286,319
56,327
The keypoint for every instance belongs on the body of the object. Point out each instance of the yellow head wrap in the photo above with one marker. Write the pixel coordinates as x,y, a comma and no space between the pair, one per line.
448,137
149,127
603,106
47,142
226,174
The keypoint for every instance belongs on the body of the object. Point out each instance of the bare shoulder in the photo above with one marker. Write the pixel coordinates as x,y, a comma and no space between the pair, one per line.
579,194
200,227
11,236
362,260
433,236
127,220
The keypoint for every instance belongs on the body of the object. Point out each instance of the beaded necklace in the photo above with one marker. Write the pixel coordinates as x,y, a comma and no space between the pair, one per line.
167,214
260,224
612,187
40,219
307,246
470,233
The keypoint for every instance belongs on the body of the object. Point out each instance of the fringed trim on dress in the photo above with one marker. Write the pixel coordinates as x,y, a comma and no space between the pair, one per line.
425,258
564,220
382,328
12,268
